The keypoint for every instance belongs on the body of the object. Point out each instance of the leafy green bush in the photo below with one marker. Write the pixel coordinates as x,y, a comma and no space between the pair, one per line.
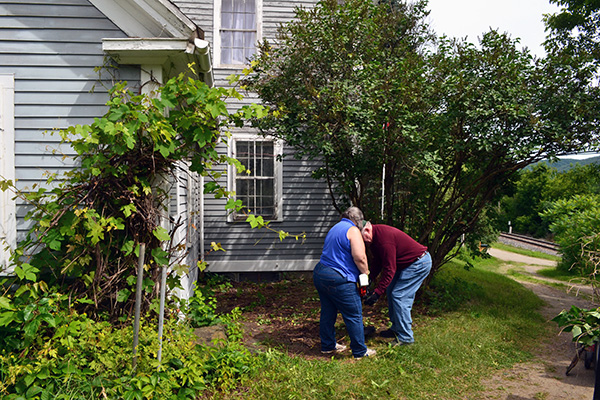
583,324
77,357
575,223
87,230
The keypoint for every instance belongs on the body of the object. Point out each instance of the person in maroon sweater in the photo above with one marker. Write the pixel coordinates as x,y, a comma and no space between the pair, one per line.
403,264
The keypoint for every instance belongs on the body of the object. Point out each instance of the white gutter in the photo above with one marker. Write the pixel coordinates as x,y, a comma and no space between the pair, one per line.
160,51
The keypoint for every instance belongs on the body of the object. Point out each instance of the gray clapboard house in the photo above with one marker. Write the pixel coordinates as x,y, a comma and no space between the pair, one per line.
281,191
49,51
49,54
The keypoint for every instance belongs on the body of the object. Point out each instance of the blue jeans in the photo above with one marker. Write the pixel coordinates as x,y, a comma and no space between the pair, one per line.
337,294
401,296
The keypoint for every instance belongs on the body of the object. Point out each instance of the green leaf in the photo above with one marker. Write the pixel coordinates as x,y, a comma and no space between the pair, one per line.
123,295
128,247
7,317
31,328
161,234
160,256
6,303
128,209
29,379
95,231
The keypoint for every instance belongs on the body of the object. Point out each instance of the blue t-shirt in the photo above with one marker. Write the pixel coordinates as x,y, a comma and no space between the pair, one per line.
337,253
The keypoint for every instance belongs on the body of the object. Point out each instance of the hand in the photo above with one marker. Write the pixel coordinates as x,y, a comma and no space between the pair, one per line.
371,299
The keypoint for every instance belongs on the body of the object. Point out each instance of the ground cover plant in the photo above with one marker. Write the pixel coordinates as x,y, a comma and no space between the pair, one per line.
76,357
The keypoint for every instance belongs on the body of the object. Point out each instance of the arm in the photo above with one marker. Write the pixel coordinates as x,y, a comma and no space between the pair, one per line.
388,267
357,247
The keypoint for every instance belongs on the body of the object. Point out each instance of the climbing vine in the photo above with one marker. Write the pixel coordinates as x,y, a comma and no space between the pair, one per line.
86,230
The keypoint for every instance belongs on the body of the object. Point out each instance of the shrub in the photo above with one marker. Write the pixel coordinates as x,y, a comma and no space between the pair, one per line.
575,223
81,358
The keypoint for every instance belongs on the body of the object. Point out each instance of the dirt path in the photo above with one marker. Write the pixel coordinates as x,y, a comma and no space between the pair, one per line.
544,378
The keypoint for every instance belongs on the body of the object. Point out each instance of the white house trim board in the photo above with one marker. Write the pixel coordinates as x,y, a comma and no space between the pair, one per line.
8,222
148,18
259,265
161,51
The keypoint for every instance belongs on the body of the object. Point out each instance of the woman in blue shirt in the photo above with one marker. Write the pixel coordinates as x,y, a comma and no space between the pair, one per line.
335,276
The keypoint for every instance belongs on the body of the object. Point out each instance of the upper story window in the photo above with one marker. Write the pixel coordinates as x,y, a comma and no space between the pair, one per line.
237,30
259,187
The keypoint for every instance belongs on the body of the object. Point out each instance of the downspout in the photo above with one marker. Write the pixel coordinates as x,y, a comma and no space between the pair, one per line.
201,49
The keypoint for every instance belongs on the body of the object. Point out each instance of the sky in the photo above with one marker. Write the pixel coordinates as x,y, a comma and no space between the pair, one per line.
520,18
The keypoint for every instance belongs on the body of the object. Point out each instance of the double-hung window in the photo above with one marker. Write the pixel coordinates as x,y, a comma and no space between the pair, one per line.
259,187
237,30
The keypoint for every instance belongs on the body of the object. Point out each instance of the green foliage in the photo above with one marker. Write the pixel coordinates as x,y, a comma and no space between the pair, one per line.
362,87
200,310
86,230
72,356
575,223
573,30
583,324
536,188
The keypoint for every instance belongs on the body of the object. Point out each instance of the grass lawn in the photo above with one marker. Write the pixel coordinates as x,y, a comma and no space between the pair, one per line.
477,322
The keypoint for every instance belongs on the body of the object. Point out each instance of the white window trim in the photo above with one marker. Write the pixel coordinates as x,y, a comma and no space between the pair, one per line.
278,172
217,34
8,219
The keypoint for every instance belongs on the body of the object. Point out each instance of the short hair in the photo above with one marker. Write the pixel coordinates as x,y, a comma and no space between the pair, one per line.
355,215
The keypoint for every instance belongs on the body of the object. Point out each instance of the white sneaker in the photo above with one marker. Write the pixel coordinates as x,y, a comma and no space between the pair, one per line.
338,348
369,353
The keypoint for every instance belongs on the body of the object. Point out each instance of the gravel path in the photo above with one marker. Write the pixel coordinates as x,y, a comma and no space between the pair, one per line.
544,378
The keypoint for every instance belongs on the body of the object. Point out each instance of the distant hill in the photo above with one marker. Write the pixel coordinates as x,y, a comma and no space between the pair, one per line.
566,164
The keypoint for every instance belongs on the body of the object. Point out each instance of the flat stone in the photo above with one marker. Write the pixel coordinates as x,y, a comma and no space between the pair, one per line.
208,334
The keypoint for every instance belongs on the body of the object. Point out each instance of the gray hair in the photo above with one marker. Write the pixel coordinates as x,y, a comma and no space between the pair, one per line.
355,215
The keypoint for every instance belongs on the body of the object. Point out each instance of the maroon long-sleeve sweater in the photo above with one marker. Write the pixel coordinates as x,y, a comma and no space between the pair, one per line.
392,250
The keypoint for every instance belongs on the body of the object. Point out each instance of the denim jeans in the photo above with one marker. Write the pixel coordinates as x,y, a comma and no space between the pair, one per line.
401,296
337,294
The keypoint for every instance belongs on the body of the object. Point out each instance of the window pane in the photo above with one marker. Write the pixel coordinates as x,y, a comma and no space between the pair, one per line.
249,21
243,154
268,166
238,6
227,6
226,40
267,188
237,53
227,20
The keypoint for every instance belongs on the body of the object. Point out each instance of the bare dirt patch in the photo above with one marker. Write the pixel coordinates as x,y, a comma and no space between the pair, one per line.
285,315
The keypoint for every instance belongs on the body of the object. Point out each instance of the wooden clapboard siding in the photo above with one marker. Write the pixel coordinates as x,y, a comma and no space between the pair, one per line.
52,47
306,204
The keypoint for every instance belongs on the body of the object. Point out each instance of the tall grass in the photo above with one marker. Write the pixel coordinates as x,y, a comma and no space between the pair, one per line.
495,326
